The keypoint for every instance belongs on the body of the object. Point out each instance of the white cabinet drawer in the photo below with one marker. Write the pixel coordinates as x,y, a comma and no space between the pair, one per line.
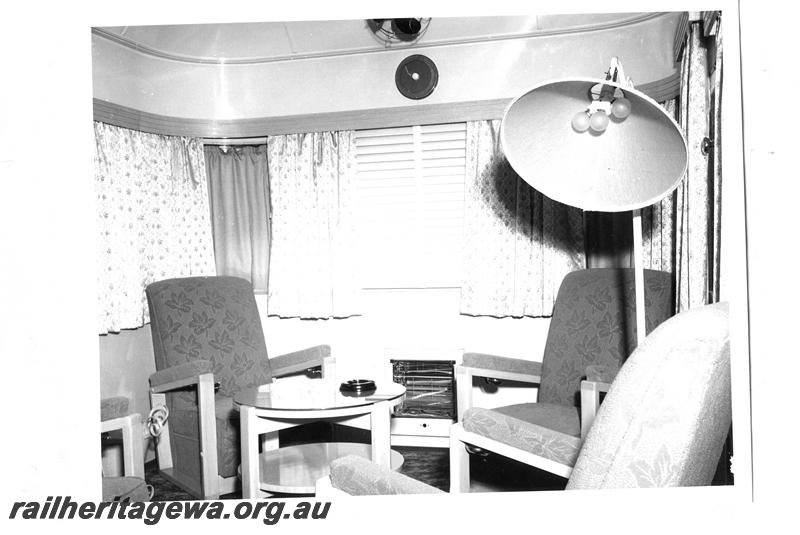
421,426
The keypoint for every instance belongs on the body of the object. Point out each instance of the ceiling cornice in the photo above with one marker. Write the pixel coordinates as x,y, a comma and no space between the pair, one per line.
118,115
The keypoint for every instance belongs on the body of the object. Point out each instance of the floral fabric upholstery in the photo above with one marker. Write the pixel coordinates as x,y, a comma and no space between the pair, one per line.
601,373
360,477
666,416
537,439
594,323
213,319
559,418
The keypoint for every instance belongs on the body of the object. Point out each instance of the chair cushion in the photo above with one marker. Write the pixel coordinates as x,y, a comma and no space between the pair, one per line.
533,438
114,407
556,417
359,477
507,364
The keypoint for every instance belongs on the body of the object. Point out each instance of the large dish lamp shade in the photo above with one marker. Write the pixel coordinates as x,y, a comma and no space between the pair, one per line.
634,163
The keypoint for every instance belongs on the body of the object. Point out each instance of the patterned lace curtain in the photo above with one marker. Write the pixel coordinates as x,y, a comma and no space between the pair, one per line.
518,244
152,219
313,258
682,233
238,191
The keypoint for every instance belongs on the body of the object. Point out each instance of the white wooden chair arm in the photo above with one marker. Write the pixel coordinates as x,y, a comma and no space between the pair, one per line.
181,383
499,374
464,375
302,360
590,402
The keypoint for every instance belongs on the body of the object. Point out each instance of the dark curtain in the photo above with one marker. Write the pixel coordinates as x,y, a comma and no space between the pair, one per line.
238,191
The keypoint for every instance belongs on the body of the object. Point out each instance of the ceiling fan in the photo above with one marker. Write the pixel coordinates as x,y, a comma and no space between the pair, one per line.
391,31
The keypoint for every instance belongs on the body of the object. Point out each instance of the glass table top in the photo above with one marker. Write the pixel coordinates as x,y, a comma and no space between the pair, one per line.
314,394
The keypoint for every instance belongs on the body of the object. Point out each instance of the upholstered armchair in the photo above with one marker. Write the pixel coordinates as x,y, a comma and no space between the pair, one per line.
209,344
592,332
663,422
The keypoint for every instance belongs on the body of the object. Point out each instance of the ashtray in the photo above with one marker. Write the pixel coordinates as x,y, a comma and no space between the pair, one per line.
357,387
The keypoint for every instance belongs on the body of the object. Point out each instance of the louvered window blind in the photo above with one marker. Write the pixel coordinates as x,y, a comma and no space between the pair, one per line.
411,205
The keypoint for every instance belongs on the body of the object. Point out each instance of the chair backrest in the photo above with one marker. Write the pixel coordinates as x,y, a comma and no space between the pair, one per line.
210,318
666,417
594,323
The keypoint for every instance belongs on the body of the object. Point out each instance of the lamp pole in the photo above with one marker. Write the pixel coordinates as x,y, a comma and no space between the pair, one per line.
638,268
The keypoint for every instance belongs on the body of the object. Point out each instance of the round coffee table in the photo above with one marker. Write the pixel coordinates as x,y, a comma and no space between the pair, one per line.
265,410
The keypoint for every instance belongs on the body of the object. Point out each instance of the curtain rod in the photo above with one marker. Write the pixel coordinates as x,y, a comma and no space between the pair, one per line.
235,141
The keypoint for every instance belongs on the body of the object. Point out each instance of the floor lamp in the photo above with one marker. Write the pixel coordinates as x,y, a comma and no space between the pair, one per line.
598,145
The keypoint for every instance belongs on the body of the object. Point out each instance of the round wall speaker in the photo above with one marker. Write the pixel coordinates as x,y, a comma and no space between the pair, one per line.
416,77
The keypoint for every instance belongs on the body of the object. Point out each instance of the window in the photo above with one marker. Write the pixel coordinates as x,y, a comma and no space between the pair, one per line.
411,205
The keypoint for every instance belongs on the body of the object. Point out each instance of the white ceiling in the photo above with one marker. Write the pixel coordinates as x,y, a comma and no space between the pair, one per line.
270,41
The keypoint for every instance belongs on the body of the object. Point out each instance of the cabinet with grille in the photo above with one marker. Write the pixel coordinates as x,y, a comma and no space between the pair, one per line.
428,410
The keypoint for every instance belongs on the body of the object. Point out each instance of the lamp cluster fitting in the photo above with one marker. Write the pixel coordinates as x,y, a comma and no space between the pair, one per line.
596,116
607,100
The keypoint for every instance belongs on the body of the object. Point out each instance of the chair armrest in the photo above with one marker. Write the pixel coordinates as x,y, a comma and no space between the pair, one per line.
497,367
179,376
493,367
357,476
299,361
590,403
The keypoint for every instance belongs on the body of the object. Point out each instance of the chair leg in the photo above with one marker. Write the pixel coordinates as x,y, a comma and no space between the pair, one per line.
380,434
162,441
251,475
132,448
329,368
459,462
463,390
208,436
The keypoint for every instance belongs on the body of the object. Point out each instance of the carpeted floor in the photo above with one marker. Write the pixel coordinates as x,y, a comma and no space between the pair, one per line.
429,465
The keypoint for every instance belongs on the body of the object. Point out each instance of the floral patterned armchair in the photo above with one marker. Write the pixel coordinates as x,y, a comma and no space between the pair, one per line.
592,332
209,344
663,423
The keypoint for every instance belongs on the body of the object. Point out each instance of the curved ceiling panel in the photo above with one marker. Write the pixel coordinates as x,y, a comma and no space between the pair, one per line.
271,41
263,73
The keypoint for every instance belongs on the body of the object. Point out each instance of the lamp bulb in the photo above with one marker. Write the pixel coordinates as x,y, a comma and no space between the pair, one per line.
599,121
580,122
621,108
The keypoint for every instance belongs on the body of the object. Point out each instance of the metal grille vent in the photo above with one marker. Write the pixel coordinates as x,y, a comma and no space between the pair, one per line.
430,388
